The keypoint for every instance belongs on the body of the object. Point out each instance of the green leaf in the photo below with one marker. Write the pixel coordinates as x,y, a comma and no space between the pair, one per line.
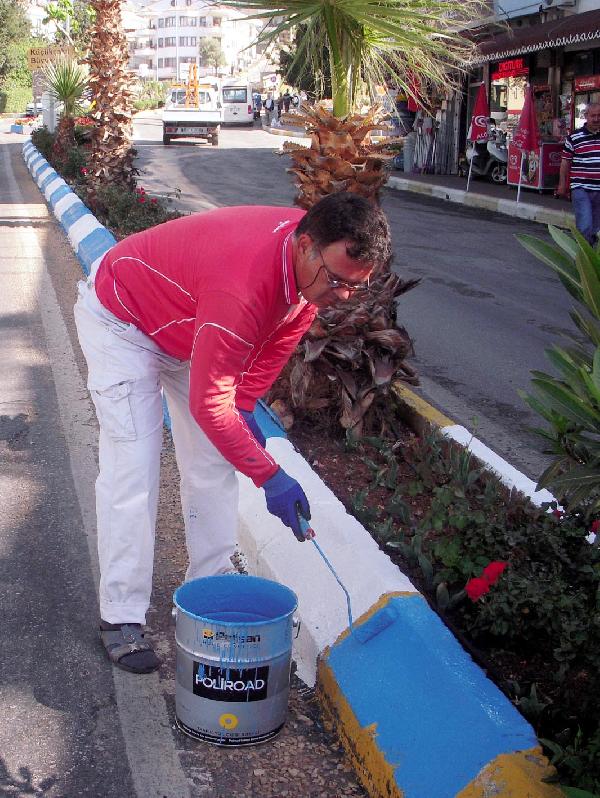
590,283
561,399
575,792
564,240
557,261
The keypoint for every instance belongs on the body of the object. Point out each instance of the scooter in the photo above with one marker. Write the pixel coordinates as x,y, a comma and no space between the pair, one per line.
490,159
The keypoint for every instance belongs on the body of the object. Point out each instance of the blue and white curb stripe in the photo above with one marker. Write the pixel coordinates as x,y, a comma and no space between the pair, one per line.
89,239
418,718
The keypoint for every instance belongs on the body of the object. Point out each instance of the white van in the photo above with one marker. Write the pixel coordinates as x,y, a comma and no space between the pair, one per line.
237,104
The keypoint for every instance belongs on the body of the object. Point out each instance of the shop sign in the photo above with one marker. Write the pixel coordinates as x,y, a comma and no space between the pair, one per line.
587,84
37,57
510,69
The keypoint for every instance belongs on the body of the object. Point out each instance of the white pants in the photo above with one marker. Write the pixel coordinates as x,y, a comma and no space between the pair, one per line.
126,371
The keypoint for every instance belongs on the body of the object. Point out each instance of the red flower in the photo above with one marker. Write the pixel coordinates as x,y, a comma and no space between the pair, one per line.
154,200
558,514
493,572
476,588
141,199
84,171
595,527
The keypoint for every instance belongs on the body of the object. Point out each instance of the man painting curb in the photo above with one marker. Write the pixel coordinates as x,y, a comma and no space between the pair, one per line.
208,308
580,173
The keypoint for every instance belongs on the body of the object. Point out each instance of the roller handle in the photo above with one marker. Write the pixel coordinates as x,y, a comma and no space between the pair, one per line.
306,531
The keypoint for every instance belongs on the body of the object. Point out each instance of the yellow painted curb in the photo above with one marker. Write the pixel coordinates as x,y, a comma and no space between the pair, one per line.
415,405
374,773
518,775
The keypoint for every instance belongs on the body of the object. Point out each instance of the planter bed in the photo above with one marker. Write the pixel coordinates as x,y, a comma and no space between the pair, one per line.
527,669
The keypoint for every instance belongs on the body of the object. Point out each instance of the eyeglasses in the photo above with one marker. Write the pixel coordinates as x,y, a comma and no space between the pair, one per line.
336,283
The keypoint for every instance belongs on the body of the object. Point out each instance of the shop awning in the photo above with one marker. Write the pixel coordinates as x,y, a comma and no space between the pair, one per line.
574,29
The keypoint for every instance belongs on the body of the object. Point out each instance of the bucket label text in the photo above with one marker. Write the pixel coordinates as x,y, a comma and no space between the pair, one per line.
230,684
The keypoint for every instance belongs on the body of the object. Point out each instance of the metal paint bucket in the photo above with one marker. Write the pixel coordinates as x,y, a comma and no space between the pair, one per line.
234,648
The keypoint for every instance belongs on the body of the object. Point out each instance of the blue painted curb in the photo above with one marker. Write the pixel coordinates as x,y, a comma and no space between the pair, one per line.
88,237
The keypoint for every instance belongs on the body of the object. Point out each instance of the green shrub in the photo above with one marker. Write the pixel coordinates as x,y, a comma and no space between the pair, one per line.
127,212
14,99
43,141
570,401
542,612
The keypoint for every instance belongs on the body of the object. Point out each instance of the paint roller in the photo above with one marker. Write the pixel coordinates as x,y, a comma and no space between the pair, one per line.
379,621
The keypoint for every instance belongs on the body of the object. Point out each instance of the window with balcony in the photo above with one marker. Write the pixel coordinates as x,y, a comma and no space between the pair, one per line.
171,41
161,62
188,59
161,42
170,22
187,41
203,22
161,23
170,63
192,22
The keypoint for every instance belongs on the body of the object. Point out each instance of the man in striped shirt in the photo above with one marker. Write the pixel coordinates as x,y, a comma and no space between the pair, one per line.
580,173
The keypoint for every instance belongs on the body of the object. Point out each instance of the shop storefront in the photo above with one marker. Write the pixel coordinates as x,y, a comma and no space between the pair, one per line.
560,60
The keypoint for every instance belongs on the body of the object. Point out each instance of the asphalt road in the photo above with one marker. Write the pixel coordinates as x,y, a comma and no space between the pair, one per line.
483,314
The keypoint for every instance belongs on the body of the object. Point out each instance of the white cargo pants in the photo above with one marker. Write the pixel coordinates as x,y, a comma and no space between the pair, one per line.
126,371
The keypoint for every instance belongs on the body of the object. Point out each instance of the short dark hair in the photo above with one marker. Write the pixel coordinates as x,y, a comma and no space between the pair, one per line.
349,217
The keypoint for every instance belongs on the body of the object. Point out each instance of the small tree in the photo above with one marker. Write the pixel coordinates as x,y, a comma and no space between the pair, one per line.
72,20
211,53
66,81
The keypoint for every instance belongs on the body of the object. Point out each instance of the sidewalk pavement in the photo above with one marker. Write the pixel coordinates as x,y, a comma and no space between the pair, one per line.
400,690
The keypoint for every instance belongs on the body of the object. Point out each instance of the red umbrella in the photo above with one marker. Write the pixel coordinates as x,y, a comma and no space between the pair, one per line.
478,131
527,135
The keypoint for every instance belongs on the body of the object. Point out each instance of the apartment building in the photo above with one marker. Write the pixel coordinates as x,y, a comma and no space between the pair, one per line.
165,36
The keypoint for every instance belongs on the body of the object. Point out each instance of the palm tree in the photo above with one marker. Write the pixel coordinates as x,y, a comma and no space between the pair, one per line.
416,44
66,81
111,155
352,353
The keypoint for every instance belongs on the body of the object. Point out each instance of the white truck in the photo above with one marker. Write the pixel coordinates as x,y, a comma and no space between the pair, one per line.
193,112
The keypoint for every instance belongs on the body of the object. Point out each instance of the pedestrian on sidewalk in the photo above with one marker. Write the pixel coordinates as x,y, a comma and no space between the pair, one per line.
269,107
580,173
207,308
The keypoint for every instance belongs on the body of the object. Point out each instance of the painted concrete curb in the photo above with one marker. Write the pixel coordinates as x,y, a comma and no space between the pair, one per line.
89,239
521,210
417,717
420,413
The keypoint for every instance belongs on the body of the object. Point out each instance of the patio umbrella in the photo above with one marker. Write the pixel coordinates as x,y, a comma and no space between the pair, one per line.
478,129
527,135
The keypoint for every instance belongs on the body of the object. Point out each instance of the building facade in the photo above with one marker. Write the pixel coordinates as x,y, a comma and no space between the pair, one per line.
553,47
165,36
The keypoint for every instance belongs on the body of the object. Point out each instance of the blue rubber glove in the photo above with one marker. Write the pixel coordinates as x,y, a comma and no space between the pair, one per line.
252,423
286,499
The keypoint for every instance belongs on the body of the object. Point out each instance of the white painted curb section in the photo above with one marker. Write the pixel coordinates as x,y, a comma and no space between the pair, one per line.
507,474
273,552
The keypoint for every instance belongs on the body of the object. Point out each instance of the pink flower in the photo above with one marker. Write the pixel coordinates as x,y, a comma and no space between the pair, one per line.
493,572
477,587
154,200
83,170
141,198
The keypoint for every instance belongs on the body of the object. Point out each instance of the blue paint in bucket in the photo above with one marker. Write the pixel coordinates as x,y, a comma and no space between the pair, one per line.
234,642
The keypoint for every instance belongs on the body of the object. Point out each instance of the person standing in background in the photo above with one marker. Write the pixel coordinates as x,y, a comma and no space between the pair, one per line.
580,174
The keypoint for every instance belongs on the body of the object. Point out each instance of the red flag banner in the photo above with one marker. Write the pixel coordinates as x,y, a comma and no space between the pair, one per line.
527,135
478,131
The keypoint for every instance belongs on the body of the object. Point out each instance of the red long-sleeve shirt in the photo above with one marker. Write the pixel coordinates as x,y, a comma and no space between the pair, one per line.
218,289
